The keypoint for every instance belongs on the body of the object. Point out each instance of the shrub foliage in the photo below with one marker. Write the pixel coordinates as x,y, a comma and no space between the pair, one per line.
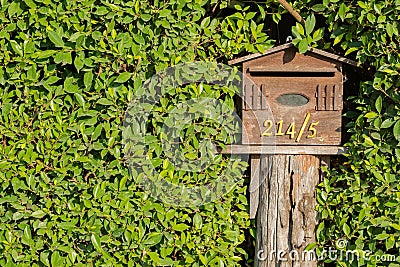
68,72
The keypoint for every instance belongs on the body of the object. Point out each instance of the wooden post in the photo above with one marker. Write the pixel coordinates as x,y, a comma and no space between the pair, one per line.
254,184
286,218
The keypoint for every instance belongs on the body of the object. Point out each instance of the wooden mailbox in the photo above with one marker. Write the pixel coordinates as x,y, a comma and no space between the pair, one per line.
304,93
292,121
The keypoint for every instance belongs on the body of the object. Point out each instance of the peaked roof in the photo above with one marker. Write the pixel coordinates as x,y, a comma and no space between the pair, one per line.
288,45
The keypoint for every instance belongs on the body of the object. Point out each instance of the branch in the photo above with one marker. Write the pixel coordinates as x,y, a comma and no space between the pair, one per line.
293,12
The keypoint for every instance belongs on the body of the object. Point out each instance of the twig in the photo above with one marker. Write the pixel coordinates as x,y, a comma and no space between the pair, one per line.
292,12
215,7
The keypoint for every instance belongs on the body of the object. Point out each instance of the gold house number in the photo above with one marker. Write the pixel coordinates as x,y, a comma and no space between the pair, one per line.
291,130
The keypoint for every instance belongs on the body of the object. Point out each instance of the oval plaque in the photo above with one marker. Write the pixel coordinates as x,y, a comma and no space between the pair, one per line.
292,100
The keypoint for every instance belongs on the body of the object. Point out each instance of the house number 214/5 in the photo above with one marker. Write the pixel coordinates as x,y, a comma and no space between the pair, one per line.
291,130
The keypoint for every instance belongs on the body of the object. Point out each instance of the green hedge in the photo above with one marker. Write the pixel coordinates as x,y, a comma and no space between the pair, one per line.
68,72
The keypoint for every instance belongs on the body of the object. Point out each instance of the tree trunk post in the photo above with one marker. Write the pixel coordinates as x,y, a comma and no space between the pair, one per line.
286,217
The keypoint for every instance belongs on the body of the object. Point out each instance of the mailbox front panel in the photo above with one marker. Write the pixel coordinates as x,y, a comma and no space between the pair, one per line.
297,102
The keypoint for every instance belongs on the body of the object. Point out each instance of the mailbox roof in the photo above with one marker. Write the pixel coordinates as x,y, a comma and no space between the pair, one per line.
288,45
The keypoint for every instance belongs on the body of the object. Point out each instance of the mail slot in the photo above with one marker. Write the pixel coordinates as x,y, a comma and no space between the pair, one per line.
291,98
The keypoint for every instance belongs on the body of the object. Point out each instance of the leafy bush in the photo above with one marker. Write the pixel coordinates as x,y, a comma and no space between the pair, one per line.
68,72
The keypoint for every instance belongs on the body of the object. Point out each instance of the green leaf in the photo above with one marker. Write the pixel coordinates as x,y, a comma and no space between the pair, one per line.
318,7
16,47
80,99
96,242
180,227
32,73
145,17
378,175
310,24
368,141
97,132
396,130
318,34
351,50
56,39
262,11
67,225
51,80
361,215
303,46
203,259
78,62
342,11
346,229
123,77
45,54
390,29
64,57
397,152
87,79
56,259
13,8
311,246
197,221
300,28
378,104
102,10
389,242
276,17
38,214
97,192
382,236
104,102
153,239
139,39
44,258
371,17
27,236
122,183
371,115
191,156
166,262
165,24
362,4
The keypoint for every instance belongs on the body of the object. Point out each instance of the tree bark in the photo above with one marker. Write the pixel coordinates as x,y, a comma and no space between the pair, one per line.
286,218
292,12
